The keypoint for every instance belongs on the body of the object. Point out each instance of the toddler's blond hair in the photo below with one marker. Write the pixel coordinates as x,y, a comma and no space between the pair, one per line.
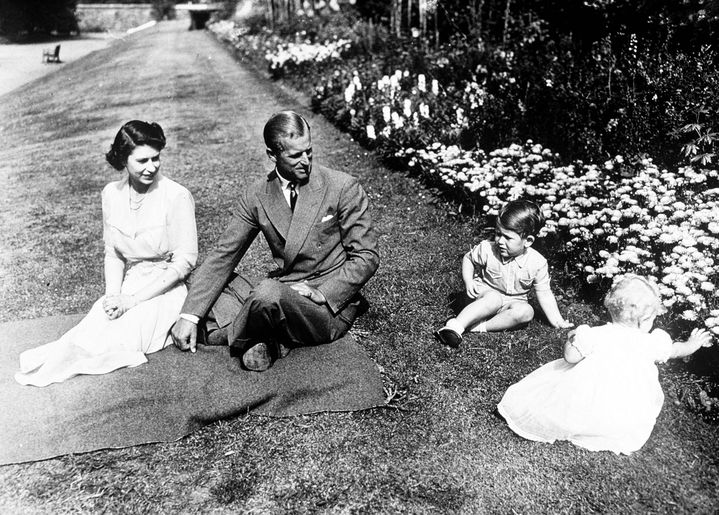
632,299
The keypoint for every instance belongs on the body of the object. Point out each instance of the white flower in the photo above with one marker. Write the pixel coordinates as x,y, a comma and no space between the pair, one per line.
435,87
421,82
386,114
461,119
407,107
689,314
371,134
349,93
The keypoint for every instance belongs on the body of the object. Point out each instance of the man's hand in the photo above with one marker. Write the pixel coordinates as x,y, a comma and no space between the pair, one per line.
308,291
184,335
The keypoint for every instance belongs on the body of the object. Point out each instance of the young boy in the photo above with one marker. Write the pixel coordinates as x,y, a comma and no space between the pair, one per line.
499,274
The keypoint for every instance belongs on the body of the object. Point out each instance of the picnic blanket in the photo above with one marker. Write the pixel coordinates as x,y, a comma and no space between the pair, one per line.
169,397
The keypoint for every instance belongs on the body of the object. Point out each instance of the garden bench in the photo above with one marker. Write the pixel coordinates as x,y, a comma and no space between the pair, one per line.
51,56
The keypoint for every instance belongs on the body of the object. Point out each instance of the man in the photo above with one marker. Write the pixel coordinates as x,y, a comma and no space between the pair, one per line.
319,230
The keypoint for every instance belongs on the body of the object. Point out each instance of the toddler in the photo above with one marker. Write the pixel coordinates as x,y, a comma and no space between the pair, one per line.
605,393
499,274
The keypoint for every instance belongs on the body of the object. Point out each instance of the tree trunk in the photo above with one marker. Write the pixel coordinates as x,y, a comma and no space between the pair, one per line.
435,13
409,15
396,17
477,16
506,22
271,11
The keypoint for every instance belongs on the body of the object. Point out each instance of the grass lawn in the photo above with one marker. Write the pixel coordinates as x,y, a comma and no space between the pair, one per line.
436,448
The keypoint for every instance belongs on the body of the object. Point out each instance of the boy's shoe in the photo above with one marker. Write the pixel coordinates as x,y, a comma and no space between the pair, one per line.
449,337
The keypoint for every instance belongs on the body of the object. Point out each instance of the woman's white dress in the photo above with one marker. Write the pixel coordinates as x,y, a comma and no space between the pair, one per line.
609,400
158,235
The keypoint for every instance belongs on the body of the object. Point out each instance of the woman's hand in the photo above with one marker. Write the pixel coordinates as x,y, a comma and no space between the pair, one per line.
117,305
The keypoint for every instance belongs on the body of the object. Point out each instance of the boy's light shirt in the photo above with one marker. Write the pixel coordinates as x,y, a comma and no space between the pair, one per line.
514,277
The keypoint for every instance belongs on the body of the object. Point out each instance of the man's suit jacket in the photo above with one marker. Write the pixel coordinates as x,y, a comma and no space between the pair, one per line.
329,241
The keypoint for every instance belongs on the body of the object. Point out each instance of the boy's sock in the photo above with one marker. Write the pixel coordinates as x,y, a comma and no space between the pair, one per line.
454,326
479,328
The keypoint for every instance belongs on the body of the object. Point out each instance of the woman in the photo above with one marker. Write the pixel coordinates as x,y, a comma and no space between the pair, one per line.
150,247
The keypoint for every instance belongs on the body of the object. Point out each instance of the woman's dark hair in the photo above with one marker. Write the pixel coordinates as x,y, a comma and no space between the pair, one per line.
522,217
285,124
133,134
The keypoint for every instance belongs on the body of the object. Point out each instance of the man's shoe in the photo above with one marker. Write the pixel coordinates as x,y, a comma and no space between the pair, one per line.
217,337
284,350
257,358
448,337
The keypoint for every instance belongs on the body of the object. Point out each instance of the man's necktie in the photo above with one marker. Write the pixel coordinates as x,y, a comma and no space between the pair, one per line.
293,195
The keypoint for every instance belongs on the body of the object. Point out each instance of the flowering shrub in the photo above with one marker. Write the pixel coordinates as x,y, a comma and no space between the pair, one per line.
227,31
248,44
284,55
290,56
390,113
604,220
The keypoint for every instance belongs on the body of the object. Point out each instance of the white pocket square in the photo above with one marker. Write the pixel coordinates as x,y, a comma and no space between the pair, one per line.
326,217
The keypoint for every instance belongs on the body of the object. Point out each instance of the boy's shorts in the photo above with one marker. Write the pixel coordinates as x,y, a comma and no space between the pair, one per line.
507,300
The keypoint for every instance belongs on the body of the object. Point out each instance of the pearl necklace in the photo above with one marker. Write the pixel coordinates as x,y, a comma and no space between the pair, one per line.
136,203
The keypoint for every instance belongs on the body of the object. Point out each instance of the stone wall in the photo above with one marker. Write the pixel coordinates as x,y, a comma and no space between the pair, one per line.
112,17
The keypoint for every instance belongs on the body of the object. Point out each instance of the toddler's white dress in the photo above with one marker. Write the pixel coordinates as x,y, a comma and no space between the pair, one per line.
158,235
608,401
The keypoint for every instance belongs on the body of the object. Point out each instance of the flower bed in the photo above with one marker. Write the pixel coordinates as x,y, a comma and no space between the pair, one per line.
602,219
283,57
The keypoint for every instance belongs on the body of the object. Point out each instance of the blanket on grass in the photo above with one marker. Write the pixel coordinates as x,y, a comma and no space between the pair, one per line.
169,397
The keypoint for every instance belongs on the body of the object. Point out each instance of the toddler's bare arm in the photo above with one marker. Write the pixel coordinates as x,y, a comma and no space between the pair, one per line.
571,354
698,338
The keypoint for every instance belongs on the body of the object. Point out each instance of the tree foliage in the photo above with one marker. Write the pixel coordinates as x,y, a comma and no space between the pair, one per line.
592,77
585,22
26,18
